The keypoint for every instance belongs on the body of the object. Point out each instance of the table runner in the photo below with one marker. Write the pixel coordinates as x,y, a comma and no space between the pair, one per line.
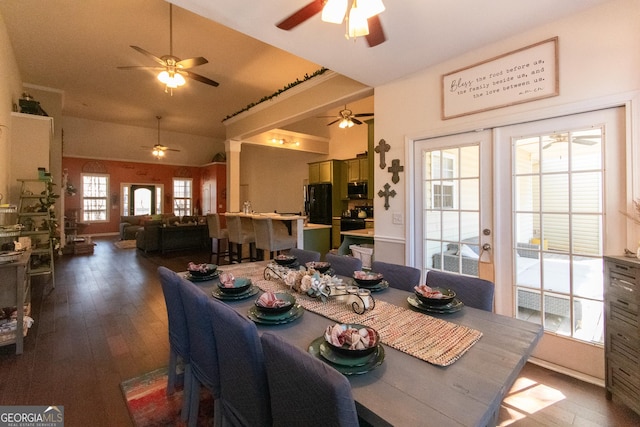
433,340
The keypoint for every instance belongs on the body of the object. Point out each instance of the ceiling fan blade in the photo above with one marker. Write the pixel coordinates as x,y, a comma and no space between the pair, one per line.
170,149
335,121
136,67
199,78
191,62
301,15
150,55
376,33
363,115
356,121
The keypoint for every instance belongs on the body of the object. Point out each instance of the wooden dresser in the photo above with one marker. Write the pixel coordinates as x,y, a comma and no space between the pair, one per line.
622,329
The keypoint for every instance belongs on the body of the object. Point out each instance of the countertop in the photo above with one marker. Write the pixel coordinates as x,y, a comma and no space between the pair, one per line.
270,215
315,226
365,232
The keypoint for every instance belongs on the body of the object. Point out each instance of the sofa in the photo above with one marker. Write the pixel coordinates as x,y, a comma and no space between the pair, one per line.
130,225
172,233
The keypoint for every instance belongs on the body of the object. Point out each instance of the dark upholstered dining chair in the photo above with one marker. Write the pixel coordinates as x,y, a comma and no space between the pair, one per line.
472,291
243,378
204,356
344,265
304,256
179,348
398,276
305,391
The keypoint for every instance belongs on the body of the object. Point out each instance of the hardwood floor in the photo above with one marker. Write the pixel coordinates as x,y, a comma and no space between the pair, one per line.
106,322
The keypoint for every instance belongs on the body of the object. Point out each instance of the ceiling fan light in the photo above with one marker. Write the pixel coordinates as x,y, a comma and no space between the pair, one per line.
180,81
345,123
164,77
334,11
371,7
358,25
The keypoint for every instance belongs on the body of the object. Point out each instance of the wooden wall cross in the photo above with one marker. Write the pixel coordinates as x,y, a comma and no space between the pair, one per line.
386,194
394,170
381,149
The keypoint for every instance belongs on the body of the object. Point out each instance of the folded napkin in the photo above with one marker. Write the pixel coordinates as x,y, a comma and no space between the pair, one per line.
270,300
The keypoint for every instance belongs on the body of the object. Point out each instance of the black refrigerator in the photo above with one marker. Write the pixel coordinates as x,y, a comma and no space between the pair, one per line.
319,203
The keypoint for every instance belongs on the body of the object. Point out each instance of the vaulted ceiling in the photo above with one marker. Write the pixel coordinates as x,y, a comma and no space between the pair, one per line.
75,47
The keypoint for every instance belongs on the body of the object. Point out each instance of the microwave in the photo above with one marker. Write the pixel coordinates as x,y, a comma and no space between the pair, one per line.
357,190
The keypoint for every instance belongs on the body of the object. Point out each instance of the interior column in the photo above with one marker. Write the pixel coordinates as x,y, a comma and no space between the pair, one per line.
232,149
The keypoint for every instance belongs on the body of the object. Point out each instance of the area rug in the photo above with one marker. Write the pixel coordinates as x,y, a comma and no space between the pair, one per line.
149,405
125,244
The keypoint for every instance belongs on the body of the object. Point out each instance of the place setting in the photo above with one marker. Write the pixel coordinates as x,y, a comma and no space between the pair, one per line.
370,280
275,308
352,349
321,267
201,272
435,300
231,288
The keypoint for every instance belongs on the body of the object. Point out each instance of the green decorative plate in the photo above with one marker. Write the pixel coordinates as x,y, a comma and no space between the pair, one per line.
193,278
452,307
231,297
333,357
285,318
376,359
379,287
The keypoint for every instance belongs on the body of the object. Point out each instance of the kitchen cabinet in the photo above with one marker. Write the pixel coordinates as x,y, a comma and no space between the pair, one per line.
321,172
622,329
358,169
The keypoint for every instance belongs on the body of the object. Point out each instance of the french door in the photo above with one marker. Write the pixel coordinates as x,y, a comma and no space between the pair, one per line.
553,188
453,216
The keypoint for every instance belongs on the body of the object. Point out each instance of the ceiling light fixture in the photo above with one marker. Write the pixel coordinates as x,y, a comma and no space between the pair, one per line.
283,141
335,11
345,123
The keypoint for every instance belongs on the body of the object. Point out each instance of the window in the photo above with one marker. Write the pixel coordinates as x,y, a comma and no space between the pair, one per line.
443,184
95,193
182,194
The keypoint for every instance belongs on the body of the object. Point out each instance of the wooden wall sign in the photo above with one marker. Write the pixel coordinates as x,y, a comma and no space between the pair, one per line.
519,76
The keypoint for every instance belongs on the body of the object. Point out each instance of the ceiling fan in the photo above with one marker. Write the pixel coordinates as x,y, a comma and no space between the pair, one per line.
172,69
361,18
158,149
346,118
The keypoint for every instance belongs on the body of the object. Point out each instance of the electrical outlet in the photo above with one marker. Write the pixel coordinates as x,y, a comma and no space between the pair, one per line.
397,218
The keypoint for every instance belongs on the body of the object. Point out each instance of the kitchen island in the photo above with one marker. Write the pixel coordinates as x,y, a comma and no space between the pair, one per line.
355,237
314,237
317,237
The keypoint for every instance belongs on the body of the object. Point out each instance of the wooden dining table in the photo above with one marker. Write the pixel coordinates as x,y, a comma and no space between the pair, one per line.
405,390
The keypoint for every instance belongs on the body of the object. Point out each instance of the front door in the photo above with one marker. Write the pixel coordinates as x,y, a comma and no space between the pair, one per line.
142,200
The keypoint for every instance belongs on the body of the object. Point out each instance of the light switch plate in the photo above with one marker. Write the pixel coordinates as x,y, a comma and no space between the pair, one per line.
397,218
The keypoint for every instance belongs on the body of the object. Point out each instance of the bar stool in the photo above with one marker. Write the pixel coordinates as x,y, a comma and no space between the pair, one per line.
240,232
272,236
219,235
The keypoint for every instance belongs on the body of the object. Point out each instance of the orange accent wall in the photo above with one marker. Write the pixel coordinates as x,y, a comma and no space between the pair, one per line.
138,173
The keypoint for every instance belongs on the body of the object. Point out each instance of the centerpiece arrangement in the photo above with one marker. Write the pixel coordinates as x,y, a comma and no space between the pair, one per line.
315,284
